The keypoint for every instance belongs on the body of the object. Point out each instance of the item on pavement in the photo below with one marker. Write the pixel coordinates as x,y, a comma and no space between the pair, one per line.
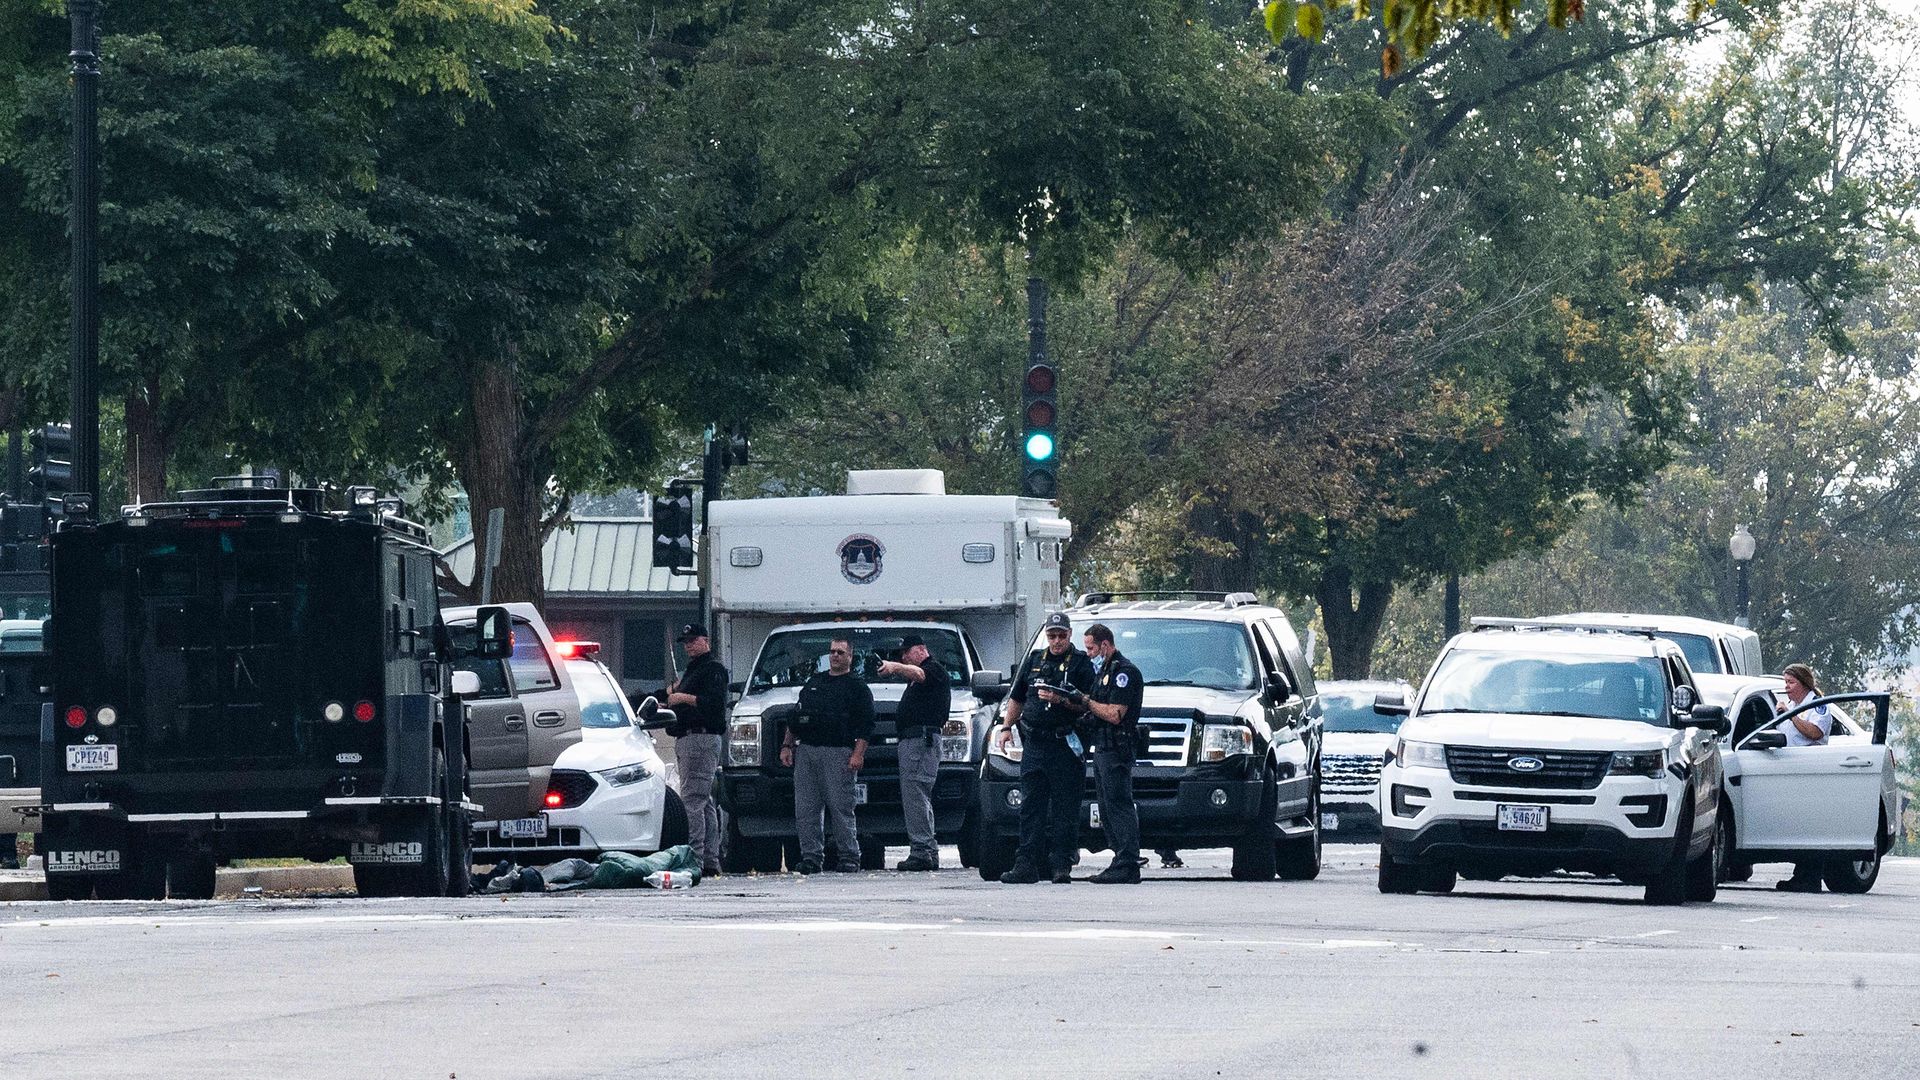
675,868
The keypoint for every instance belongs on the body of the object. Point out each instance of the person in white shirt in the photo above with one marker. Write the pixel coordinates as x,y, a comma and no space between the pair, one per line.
1809,728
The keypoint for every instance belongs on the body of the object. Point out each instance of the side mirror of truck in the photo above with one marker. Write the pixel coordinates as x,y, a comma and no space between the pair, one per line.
651,717
1391,705
1711,717
989,686
466,683
493,633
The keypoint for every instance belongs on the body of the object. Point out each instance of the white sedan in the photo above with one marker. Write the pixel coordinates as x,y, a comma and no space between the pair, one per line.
610,792
1835,803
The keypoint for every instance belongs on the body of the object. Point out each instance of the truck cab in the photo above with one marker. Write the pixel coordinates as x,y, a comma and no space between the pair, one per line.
972,574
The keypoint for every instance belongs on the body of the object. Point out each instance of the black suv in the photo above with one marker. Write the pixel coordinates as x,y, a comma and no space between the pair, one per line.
1231,726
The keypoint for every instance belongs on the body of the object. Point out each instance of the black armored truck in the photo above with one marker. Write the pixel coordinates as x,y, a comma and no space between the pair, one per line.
251,672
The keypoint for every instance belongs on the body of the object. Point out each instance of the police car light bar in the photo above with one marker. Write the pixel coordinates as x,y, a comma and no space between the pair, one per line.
1490,623
577,650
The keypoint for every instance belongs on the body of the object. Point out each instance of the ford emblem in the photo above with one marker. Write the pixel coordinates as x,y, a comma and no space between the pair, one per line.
1525,764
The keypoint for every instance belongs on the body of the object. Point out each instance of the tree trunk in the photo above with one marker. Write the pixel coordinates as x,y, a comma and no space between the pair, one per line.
1353,623
1224,559
498,471
148,448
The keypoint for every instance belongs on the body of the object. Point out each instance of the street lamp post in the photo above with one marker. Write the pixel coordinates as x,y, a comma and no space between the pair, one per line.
84,384
1740,545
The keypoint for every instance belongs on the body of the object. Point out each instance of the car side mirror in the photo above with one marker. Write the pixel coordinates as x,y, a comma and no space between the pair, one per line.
12,767
1711,717
651,717
1765,740
465,683
739,687
1391,705
988,686
493,633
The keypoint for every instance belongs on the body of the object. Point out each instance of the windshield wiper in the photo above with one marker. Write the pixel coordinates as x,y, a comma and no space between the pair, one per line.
1171,682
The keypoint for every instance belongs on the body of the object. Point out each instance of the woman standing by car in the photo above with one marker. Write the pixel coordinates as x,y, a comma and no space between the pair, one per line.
1809,728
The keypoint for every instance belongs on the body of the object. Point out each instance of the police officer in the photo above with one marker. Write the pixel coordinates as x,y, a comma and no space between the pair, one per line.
922,713
1114,706
699,700
1051,769
826,747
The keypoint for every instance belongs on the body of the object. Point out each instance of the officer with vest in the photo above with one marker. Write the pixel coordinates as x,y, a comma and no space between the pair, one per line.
826,747
1114,708
1052,772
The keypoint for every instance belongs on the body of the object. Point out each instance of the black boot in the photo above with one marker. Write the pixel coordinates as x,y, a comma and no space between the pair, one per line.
1021,874
1119,874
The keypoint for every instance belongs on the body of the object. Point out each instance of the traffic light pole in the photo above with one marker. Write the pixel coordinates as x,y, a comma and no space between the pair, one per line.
84,385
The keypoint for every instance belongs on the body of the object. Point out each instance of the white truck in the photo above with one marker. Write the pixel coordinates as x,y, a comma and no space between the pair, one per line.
973,575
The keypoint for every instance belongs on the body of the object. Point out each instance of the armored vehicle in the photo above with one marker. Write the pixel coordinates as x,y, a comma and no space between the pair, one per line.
246,673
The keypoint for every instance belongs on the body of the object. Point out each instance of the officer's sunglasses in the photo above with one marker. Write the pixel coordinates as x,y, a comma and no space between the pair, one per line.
840,652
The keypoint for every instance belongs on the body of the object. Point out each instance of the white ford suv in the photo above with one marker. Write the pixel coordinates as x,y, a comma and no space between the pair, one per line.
1534,747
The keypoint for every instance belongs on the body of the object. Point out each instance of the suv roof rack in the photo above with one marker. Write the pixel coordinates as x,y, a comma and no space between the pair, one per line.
1487,623
1230,599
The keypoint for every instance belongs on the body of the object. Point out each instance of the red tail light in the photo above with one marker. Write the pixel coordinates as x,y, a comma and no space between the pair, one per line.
363,711
76,717
554,798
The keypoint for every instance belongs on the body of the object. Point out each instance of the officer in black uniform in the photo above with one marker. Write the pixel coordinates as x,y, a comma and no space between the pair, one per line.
1114,708
1052,771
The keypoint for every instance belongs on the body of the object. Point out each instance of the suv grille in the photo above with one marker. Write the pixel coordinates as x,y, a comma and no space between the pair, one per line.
573,787
1488,767
1349,774
1167,741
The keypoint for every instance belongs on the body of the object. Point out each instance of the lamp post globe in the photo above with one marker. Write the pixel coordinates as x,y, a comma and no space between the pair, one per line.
1741,546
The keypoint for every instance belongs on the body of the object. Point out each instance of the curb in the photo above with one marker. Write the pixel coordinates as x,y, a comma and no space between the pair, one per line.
228,882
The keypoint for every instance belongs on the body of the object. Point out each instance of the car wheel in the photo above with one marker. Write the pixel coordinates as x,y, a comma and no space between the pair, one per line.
674,825
873,854
1254,854
1397,879
1852,873
191,876
1738,871
1703,873
1438,879
969,842
1667,885
1299,859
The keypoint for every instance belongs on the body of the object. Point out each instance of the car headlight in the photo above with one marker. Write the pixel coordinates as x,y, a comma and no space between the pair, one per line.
1011,751
627,774
743,741
1638,763
956,740
1218,742
1430,755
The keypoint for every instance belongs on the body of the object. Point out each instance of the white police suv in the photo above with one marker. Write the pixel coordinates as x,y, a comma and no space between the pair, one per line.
1536,747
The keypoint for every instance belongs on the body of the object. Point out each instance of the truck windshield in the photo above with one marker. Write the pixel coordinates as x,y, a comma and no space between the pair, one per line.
601,704
1546,684
1702,657
789,656
1352,710
1184,652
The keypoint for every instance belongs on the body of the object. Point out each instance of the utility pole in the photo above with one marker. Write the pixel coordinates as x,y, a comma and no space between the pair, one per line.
1453,605
84,384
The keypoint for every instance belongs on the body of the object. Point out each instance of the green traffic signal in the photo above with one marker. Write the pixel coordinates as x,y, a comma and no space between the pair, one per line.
1039,446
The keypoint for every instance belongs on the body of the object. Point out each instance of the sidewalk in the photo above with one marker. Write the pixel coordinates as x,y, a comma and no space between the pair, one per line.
29,883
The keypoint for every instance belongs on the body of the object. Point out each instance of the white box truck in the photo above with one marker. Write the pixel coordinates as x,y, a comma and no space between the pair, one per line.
972,574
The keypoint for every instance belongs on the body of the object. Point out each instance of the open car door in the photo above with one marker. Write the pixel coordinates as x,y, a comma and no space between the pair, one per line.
1810,798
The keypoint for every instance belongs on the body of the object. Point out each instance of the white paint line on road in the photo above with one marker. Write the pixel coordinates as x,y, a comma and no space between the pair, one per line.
1841,907
1761,918
1656,933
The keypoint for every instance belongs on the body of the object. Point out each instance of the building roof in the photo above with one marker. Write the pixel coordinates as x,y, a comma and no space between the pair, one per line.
593,556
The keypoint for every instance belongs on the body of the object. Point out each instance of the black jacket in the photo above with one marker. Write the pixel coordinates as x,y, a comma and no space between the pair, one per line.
1071,668
706,679
835,710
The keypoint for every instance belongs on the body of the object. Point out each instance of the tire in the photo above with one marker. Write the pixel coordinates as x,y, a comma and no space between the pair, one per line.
1482,875
969,843
1852,874
1668,885
749,854
1703,873
674,826
1738,871
873,854
997,855
1254,854
1299,859
69,887
1396,879
191,876
459,849
1438,879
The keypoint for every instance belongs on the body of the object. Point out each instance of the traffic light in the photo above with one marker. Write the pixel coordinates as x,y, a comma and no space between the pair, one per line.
1039,444
52,473
673,528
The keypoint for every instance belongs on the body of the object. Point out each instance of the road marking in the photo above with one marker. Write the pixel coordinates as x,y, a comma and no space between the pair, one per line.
1762,918
1656,933
1841,907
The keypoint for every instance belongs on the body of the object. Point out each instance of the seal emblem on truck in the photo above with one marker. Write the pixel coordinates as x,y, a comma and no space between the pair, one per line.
860,557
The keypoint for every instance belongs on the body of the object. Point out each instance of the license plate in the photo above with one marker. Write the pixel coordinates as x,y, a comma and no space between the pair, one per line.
1093,815
1521,818
526,828
93,758
1330,822
859,794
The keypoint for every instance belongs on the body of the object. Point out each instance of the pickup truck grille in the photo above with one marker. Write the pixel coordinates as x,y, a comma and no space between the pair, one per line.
1488,767
1165,742
1349,774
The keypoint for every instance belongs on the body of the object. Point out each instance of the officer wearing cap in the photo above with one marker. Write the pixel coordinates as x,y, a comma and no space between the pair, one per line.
699,700
921,715
1114,706
1052,773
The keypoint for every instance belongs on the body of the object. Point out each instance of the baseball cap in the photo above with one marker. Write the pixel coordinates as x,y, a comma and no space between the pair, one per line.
1058,621
690,631
910,640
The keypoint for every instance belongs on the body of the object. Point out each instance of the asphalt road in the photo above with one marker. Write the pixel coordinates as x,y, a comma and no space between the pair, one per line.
890,975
